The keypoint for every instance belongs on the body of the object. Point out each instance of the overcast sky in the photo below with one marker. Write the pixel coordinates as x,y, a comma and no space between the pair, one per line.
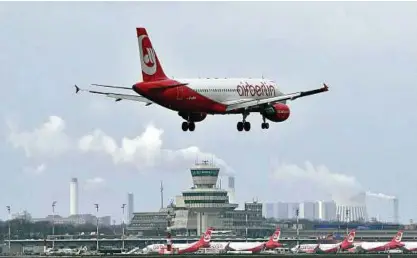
359,136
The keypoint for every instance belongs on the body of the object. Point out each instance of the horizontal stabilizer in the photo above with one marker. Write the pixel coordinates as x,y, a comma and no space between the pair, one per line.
117,96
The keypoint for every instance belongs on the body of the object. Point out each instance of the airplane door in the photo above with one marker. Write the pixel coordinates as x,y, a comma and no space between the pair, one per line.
180,93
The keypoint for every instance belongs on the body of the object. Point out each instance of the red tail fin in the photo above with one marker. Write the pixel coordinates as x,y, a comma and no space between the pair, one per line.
151,68
398,237
273,241
206,238
348,241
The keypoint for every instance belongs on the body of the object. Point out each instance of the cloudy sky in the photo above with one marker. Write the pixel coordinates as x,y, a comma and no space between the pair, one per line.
359,136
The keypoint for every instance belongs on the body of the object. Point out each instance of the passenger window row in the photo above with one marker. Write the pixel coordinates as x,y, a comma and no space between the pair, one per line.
216,90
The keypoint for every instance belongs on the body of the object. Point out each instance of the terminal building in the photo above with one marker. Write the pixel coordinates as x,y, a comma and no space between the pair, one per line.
203,205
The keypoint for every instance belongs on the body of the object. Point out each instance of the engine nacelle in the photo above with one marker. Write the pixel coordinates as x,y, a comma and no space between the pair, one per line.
194,117
278,112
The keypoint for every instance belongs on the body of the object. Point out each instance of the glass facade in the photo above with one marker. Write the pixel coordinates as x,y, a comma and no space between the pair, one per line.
204,172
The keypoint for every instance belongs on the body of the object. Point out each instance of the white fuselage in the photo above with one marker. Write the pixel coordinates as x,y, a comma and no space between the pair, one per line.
305,248
372,245
155,248
237,246
227,91
410,246
327,247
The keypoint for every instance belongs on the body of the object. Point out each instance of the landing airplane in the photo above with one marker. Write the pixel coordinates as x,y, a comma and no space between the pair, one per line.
194,99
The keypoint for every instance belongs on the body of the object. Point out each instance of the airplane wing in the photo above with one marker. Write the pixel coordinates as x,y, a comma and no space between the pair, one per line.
117,96
290,96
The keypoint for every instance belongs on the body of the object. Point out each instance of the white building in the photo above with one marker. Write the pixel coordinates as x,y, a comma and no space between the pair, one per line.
308,210
270,210
282,210
326,210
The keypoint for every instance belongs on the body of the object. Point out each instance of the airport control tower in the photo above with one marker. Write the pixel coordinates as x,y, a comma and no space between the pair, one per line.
204,198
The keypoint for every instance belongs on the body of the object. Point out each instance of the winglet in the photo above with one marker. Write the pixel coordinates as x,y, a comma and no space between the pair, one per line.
325,87
77,89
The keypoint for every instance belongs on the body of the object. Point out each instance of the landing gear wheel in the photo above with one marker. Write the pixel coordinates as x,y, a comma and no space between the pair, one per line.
246,126
265,125
184,126
240,126
191,126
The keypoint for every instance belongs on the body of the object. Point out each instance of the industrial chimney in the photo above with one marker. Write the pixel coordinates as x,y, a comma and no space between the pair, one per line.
74,196
396,216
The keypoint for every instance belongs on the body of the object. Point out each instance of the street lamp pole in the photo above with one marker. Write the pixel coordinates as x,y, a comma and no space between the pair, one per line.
123,226
53,224
96,205
8,210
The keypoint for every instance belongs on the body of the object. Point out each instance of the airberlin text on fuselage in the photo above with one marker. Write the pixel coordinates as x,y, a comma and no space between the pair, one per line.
255,90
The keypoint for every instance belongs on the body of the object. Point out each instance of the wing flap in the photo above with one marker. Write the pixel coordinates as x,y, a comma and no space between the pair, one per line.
290,96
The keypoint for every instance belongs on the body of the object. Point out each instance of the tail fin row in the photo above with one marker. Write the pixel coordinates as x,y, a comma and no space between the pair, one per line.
151,67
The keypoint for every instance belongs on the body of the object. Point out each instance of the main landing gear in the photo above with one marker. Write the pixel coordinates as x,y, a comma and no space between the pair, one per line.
264,125
188,126
244,124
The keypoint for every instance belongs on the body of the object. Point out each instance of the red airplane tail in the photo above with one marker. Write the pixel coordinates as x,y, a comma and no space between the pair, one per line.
273,241
397,238
348,241
206,238
151,67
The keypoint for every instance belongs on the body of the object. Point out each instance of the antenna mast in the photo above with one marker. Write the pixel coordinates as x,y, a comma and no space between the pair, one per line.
162,195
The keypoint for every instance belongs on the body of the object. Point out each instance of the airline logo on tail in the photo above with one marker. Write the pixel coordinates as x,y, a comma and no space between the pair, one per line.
275,237
348,242
398,237
206,238
274,240
151,68
147,55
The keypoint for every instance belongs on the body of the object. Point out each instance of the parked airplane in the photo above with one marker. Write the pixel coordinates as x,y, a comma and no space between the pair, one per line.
326,248
251,247
194,99
342,246
204,241
395,243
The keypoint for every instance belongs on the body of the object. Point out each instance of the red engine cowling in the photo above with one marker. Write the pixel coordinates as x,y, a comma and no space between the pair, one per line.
194,117
278,112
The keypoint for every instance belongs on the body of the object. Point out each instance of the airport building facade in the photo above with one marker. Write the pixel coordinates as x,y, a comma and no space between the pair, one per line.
204,205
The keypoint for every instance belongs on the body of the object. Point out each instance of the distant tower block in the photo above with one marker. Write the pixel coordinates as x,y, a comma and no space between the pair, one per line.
74,196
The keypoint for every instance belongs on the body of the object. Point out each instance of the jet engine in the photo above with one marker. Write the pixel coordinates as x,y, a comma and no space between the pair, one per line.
277,112
194,117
